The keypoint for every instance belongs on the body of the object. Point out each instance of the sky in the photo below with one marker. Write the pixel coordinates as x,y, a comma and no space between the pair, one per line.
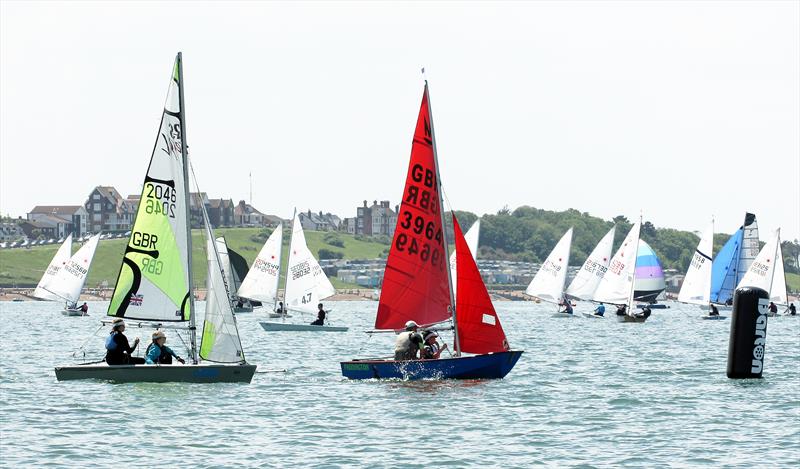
681,111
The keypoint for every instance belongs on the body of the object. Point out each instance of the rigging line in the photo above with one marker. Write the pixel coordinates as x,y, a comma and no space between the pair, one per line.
83,345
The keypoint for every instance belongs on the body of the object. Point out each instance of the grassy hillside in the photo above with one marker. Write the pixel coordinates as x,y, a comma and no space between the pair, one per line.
25,266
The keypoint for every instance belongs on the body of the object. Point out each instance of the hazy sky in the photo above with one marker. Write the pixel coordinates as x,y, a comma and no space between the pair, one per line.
682,110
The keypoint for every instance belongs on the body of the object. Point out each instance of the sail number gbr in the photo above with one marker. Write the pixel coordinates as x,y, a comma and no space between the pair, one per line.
419,239
160,199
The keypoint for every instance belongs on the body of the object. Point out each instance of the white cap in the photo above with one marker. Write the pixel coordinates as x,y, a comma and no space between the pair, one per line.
411,325
159,335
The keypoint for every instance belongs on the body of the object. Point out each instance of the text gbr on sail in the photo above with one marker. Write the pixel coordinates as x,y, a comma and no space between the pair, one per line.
144,240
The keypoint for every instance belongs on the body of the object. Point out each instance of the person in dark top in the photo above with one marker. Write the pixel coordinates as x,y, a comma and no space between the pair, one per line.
281,310
622,310
714,311
118,351
567,306
431,350
84,308
320,317
773,309
792,310
158,352
646,312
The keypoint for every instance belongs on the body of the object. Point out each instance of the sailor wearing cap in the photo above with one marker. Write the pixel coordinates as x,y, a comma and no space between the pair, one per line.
408,343
431,349
159,353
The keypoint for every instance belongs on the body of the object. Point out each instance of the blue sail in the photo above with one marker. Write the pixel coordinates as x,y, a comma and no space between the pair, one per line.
723,270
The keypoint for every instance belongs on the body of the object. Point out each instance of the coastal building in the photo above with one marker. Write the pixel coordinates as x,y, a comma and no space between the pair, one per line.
246,215
375,219
319,221
10,231
220,212
108,211
61,220
39,229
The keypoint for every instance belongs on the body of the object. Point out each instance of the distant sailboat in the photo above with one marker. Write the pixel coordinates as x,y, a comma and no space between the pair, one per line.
588,278
261,282
417,284
733,260
305,287
56,264
766,271
617,285
66,282
154,287
548,283
649,281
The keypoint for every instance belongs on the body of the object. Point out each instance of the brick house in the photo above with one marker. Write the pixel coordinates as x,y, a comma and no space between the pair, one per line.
64,219
108,211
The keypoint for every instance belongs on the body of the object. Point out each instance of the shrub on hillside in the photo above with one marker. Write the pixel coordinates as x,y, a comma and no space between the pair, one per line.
333,239
328,254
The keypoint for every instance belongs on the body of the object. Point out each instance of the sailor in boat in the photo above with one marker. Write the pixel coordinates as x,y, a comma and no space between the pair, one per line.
567,306
773,309
622,310
118,350
646,312
158,353
84,308
600,310
714,311
408,342
281,310
320,316
792,310
431,350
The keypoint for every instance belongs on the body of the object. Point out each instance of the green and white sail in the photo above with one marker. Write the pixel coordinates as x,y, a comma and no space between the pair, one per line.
153,282
220,342
56,265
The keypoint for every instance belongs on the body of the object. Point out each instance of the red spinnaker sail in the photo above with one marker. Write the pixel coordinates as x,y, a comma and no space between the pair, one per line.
479,329
415,285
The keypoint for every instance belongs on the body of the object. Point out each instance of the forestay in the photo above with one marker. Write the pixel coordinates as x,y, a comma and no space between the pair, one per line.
70,279
415,283
761,273
588,278
616,286
696,288
220,342
306,283
153,280
548,283
56,265
472,242
261,282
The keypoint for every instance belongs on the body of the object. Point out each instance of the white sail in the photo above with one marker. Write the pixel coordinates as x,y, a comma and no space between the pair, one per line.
471,237
306,283
762,270
153,282
220,342
585,282
778,293
56,264
70,280
261,282
548,283
750,245
616,286
696,287
225,263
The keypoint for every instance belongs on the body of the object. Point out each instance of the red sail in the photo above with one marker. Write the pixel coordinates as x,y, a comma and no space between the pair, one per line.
415,285
479,329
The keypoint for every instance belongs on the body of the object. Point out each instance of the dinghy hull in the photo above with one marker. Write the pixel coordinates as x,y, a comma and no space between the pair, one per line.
713,318
627,318
279,315
73,312
486,366
283,326
563,315
158,373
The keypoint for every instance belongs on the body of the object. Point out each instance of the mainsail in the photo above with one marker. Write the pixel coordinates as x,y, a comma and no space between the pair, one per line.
734,260
415,283
616,286
261,282
154,278
761,273
479,329
588,278
71,278
548,283
472,242
306,283
778,293
696,287
220,342
649,279
56,264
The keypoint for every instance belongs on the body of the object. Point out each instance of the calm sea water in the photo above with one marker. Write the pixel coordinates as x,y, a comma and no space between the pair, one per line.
586,393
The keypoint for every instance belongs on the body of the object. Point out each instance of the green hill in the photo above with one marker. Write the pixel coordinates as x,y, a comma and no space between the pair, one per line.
25,266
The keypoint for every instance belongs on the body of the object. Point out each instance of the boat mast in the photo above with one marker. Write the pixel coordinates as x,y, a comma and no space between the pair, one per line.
185,153
456,343
635,255
288,257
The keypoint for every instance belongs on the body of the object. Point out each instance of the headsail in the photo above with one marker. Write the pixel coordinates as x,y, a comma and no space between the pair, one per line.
585,282
153,281
261,282
415,283
479,328
220,342
696,287
306,283
778,293
723,269
472,241
56,265
761,273
548,283
70,280
616,286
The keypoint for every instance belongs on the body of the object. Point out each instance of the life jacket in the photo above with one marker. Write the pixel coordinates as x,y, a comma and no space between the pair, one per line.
111,344
164,357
